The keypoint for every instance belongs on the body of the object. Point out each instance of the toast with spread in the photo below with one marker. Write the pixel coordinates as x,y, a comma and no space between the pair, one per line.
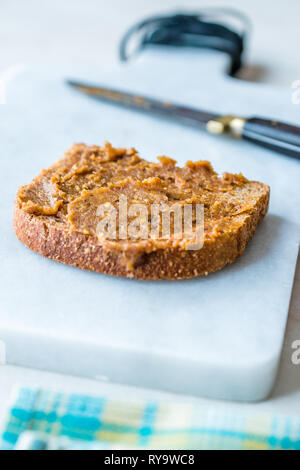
72,213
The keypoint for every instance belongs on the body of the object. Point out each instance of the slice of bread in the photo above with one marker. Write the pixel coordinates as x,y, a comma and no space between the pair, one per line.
57,214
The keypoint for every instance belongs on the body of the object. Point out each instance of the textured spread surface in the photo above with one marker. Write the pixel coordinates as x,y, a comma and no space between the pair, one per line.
56,214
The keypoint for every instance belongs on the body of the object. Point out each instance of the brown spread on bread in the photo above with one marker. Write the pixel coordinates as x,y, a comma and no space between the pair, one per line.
66,198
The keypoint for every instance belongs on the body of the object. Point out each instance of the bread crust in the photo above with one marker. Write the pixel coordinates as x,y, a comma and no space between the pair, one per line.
86,252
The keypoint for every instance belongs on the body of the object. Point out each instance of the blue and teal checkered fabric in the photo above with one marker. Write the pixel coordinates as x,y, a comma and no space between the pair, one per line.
109,424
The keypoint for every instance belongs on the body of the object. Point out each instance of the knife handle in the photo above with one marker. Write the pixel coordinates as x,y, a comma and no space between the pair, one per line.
279,136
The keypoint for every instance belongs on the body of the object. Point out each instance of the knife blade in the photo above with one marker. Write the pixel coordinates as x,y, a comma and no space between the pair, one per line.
275,135
149,105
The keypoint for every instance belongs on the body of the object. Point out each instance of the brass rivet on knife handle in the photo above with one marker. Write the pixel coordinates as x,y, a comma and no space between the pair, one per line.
226,125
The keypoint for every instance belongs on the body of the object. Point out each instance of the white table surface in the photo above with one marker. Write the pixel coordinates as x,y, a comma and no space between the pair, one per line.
87,32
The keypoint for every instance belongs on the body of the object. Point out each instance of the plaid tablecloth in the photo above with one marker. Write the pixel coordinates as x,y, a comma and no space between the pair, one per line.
46,419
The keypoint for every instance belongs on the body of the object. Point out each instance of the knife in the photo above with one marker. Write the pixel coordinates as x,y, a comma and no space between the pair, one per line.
275,135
